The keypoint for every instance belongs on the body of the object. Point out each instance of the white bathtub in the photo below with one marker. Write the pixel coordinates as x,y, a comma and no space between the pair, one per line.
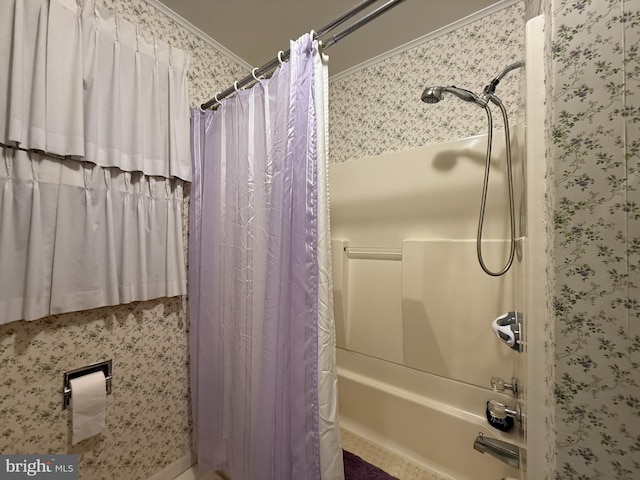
427,419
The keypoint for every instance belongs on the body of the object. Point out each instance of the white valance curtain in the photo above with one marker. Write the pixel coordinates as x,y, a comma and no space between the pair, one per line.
75,236
94,138
133,112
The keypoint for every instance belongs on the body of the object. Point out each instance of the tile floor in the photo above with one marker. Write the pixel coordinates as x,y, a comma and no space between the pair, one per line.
386,460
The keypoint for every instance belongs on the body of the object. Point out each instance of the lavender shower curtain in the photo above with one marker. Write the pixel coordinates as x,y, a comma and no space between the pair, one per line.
256,285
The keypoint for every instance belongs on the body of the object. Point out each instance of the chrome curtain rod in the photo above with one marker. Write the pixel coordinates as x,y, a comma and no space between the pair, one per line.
284,55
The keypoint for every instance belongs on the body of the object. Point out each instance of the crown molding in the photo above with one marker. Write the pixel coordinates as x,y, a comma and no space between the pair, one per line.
491,9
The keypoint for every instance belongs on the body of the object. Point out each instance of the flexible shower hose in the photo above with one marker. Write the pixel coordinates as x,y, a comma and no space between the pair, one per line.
485,188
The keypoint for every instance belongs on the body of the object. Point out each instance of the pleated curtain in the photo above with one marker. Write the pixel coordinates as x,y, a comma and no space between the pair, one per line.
94,145
262,335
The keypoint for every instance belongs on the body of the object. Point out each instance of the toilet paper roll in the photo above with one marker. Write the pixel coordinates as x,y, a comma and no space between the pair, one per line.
88,405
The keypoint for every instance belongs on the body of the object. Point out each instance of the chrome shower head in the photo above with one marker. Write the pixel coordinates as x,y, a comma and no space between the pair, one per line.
434,95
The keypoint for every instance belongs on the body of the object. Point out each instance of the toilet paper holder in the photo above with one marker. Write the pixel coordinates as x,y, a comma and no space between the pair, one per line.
105,367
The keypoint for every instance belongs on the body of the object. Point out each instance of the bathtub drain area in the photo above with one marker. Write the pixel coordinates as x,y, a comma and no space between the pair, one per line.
387,460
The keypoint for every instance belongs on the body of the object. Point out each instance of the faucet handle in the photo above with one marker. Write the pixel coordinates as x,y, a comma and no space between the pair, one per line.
499,385
500,411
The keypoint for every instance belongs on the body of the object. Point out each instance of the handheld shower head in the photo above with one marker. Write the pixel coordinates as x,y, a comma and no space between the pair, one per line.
466,95
434,95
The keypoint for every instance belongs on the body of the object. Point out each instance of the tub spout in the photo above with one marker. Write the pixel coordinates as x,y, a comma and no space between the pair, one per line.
503,451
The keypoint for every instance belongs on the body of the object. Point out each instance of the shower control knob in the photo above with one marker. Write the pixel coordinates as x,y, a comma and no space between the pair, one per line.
498,419
499,385
500,411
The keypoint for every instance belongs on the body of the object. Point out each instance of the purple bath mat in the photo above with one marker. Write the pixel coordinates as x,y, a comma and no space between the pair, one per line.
356,468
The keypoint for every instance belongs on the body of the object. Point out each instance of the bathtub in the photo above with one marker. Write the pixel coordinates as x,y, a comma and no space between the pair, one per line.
426,419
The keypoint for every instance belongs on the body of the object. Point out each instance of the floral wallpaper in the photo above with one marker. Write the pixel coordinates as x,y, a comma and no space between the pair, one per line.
596,147
594,168
148,413
378,109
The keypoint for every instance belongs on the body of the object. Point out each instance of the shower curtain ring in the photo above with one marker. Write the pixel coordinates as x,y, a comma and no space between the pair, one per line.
215,97
280,54
235,86
253,74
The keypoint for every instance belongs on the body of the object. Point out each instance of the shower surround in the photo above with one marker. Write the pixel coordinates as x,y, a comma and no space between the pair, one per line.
413,307
380,129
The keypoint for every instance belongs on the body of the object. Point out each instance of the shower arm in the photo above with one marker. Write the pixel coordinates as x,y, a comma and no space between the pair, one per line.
491,87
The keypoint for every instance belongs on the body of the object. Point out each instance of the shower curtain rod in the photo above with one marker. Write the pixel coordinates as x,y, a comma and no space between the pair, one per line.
284,55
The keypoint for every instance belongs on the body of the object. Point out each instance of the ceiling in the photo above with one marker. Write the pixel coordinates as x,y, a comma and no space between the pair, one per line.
255,30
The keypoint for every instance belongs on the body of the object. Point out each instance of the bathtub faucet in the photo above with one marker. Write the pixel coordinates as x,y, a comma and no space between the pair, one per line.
503,451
